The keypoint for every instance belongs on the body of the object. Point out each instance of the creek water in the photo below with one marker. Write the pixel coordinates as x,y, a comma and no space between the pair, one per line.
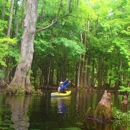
34,112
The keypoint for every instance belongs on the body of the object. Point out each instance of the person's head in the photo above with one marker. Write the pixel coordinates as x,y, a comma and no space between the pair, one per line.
61,83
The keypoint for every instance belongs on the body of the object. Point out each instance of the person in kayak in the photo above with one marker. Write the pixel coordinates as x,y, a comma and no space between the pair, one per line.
63,85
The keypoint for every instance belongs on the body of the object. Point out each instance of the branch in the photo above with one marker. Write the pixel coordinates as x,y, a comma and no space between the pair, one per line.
53,22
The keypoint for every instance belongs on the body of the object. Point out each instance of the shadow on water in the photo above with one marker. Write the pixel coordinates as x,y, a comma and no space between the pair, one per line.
61,113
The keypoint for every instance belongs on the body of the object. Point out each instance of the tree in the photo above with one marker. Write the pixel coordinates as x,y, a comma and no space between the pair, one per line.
6,42
103,111
22,74
100,28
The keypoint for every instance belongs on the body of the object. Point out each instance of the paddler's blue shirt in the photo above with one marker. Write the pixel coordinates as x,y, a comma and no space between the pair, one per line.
65,84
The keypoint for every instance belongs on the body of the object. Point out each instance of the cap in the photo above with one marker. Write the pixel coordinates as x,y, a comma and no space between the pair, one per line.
61,82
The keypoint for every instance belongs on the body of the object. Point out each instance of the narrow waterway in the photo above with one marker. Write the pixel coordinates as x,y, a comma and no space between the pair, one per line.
47,113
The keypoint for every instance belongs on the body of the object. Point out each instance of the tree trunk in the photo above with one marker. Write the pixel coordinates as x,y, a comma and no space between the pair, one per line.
88,84
87,58
103,111
92,75
48,76
6,69
78,77
10,17
81,67
21,77
99,72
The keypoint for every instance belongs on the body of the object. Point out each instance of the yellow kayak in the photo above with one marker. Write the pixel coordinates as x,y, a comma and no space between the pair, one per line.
57,94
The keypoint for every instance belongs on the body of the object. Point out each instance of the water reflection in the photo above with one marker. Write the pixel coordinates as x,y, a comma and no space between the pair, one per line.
19,107
47,113
62,105
84,100
93,125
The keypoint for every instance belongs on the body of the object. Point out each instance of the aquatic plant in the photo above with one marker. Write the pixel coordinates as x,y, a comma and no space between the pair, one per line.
120,115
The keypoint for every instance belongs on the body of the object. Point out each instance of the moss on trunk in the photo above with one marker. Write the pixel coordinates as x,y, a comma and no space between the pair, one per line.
103,111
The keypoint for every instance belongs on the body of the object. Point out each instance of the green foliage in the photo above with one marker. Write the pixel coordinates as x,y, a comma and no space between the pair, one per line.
124,89
121,118
1,74
33,90
15,90
21,90
71,47
106,26
14,53
5,43
4,47
95,29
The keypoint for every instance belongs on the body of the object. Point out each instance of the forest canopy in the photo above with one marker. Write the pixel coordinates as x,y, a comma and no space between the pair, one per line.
85,41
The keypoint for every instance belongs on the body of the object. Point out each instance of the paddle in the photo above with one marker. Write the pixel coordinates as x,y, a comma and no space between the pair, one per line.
73,84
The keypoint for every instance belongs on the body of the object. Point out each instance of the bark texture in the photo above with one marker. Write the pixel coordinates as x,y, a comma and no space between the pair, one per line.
10,18
103,111
22,76
124,103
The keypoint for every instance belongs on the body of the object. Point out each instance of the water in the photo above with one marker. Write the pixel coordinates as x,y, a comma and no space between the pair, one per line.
46,113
